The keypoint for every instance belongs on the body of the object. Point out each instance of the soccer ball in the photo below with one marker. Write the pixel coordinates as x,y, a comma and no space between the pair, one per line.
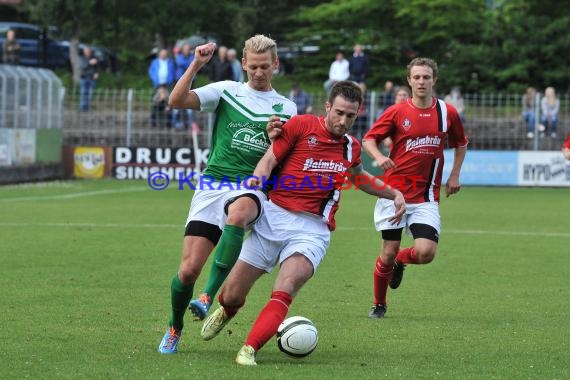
297,336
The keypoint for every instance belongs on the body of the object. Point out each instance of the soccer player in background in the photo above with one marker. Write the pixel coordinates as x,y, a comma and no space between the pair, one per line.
566,147
219,217
294,229
418,128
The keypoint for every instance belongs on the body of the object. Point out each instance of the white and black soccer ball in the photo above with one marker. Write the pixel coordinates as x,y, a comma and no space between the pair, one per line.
297,336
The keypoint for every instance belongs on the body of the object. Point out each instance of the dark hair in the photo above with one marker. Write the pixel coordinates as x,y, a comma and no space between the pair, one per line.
422,61
348,90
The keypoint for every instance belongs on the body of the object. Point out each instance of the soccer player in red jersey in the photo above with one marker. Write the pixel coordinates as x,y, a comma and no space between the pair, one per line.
419,128
566,147
315,154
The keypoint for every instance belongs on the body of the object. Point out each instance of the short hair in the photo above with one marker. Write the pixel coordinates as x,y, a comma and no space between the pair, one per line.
260,44
422,61
348,90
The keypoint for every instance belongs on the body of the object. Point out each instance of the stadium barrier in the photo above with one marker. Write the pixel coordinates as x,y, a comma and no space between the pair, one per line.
30,124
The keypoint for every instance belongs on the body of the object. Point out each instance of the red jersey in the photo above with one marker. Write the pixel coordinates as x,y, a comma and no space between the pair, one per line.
566,143
418,136
313,166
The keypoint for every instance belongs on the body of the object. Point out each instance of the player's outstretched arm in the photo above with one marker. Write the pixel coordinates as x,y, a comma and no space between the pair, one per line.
181,95
371,148
263,169
453,186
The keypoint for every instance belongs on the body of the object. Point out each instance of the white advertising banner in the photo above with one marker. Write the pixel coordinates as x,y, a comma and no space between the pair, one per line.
543,168
23,146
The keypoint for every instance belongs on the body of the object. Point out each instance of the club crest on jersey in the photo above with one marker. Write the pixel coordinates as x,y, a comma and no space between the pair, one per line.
312,141
278,107
406,124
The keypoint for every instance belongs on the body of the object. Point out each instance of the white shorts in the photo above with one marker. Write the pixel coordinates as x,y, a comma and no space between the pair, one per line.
424,213
209,205
280,233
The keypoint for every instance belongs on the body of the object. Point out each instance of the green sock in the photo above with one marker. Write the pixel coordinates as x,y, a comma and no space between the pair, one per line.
227,252
180,297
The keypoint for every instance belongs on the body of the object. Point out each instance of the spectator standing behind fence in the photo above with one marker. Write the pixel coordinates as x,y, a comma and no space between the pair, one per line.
160,111
528,110
221,68
361,125
549,105
302,99
161,70
456,99
358,65
237,70
89,66
181,61
387,96
401,94
566,147
338,71
11,49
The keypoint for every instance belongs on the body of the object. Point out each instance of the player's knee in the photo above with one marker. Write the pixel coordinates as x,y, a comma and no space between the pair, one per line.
188,272
426,255
231,298
238,218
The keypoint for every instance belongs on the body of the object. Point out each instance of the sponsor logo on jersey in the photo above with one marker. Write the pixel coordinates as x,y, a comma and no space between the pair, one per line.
247,139
323,165
423,142
242,124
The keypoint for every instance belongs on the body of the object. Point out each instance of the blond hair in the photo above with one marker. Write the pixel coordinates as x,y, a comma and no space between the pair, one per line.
550,96
260,44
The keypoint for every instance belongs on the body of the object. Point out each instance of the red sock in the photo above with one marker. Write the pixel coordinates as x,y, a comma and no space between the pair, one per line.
230,310
407,256
382,277
268,321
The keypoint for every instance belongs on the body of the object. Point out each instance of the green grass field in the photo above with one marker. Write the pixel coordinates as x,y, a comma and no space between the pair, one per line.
85,270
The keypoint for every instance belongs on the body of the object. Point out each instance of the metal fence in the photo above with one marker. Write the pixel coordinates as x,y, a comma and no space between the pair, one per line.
123,117
30,98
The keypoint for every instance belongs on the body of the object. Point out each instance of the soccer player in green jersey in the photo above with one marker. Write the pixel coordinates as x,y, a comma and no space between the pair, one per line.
220,213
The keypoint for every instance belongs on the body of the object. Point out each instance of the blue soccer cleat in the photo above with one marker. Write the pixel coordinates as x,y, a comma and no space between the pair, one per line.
169,344
200,306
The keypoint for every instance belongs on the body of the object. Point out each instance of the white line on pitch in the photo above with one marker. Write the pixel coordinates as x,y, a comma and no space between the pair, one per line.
74,195
156,225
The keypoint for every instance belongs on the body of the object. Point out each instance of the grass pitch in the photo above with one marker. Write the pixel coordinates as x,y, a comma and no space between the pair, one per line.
85,270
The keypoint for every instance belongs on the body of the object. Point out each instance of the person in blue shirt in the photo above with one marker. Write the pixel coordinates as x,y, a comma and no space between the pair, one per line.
161,70
182,60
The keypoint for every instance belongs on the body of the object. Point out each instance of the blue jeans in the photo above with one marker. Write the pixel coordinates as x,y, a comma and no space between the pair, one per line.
550,124
86,87
529,118
178,116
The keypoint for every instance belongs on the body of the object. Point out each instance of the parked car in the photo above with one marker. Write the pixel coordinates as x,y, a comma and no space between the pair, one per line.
288,53
40,50
36,49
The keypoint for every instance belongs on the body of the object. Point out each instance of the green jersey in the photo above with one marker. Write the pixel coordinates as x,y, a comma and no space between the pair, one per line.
239,137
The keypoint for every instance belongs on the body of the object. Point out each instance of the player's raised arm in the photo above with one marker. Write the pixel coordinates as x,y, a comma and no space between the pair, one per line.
181,95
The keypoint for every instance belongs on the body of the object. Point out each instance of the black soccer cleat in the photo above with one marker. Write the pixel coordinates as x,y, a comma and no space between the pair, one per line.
377,311
397,275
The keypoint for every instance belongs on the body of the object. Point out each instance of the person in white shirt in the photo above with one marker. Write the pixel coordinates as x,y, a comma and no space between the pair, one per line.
337,72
